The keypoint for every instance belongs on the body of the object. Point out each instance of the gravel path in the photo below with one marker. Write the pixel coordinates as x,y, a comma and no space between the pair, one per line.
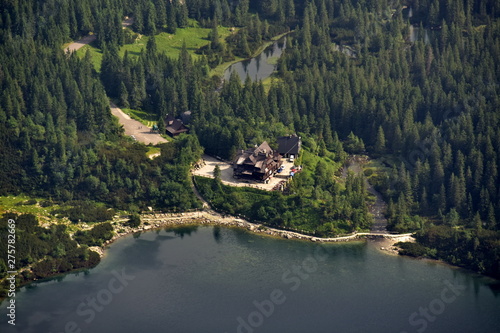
133,127
81,43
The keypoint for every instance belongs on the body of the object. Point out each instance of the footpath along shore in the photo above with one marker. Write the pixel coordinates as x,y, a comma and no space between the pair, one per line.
210,217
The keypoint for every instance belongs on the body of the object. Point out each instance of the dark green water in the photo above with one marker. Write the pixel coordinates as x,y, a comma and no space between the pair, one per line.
227,280
260,67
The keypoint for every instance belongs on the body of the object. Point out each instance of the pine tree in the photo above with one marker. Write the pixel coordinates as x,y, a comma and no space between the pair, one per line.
161,13
181,13
491,220
477,223
171,18
150,20
124,96
380,142
214,37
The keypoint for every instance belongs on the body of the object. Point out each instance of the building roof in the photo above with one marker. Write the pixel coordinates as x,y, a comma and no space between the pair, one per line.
289,144
258,157
174,126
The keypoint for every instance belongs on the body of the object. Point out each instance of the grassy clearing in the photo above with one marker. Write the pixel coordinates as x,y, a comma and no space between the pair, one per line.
43,209
194,36
24,204
95,53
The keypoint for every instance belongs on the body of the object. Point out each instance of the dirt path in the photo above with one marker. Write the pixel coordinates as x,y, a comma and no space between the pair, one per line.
377,209
133,127
81,43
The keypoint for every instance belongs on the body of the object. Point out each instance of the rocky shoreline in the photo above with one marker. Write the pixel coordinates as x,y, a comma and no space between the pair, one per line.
156,221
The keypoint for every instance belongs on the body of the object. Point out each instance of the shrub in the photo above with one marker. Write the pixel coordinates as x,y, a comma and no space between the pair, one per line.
413,249
134,221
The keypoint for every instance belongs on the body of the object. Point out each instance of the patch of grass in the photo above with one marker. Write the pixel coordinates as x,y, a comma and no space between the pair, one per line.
282,35
267,82
94,52
272,60
375,169
24,204
194,37
44,209
142,116
153,150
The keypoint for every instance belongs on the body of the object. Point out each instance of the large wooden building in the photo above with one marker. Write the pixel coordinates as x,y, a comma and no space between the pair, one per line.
258,163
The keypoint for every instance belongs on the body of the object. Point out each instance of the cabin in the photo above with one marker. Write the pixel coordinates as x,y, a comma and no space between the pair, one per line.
289,146
258,163
174,126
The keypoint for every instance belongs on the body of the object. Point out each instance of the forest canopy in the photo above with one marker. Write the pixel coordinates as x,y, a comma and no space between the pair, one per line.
414,83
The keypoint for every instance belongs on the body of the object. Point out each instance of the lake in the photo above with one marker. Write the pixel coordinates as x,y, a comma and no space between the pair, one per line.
260,67
211,279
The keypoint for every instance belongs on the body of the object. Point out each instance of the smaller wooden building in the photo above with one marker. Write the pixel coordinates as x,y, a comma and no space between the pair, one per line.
174,126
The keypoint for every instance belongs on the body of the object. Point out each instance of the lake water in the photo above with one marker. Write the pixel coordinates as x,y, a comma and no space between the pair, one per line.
211,279
260,67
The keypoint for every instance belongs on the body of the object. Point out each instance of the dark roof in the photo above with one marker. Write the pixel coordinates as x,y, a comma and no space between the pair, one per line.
174,126
289,144
169,118
259,157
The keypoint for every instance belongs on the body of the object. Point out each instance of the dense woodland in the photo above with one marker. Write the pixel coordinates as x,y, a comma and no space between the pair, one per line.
48,251
425,106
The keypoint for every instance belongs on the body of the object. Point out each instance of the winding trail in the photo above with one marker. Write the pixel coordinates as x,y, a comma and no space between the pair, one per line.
210,217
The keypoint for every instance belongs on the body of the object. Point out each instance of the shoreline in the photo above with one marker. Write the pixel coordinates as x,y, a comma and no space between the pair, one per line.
157,221
221,69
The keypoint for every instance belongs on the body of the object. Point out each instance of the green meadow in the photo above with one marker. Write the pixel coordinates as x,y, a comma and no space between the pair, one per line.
171,44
